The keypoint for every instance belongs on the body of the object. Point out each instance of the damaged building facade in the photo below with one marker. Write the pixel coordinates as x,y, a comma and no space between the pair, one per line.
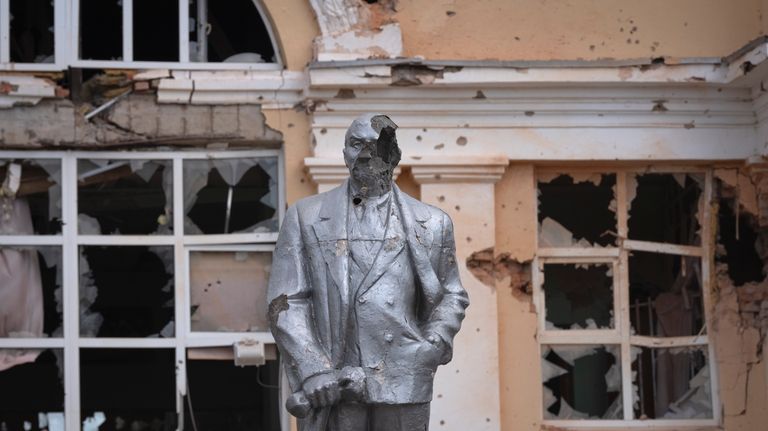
604,164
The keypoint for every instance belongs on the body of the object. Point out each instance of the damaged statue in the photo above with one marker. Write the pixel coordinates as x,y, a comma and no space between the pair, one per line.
364,295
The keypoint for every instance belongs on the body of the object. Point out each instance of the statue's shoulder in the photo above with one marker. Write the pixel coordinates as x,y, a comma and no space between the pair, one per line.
309,205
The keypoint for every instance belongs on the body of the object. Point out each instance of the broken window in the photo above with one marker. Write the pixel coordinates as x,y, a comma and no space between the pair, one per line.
229,290
30,197
581,382
101,30
31,297
126,291
204,31
156,30
231,32
579,296
129,197
128,389
665,295
619,285
672,383
32,398
222,396
105,262
577,210
31,31
230,195
665,207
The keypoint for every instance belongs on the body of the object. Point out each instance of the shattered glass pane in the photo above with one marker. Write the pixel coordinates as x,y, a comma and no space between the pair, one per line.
665,207
126,291
31,31
227,397
230,195
230,32
32,397
228,291
671,383
581,382
101,30
128,389
129,197
30,197
579,296
577,210
30,292
665,295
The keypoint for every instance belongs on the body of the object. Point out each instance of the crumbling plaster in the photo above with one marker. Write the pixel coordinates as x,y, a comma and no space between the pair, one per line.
547,30
295,26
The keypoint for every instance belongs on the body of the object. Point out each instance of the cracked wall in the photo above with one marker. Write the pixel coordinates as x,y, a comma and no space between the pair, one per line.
739,291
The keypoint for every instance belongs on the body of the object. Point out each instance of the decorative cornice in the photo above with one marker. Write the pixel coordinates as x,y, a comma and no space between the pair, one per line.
24,90
464,169
331,171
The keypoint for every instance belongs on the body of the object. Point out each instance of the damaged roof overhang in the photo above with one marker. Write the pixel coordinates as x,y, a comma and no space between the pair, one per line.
746,67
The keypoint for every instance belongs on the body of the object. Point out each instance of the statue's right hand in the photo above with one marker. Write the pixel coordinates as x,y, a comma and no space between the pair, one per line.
322,390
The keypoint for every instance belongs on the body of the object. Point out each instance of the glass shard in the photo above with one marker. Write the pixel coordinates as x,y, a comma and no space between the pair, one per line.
577,211
30,202
579,296
582,382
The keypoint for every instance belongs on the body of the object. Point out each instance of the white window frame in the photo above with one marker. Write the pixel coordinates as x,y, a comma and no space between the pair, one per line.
184,62
621,336
60,41
70,240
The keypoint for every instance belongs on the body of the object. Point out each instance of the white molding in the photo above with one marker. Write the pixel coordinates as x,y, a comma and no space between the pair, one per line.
24,89
271,89
466,169
330,172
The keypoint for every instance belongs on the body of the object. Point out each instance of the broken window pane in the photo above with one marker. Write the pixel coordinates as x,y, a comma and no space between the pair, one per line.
126,291
30,292
32,397
31,31
579,296
665,295
581,382
672,383
665,207
128,389
231,32
230,195
129,197
101,29
577,210
223,396
156,30
229,290
30,197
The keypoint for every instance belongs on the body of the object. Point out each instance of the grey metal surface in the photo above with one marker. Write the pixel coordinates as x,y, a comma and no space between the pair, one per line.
364,295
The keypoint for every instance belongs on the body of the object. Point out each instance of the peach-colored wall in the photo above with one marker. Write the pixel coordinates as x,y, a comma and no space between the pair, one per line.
577,29
296,143
295,27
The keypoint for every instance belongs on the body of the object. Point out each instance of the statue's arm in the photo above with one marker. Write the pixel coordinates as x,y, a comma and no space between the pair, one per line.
290,304
445,320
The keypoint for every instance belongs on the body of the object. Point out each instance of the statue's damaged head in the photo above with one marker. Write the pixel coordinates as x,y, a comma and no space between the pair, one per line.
371,153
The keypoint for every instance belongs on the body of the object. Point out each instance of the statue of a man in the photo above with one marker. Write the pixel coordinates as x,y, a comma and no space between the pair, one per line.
364,295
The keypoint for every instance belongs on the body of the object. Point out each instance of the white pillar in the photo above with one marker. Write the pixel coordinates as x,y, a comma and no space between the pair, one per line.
466,392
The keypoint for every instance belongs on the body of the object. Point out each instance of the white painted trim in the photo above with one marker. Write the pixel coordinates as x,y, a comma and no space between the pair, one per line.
5,31
121,64
667,342
39,240
127,30
654,247
184,31
31,343
673,424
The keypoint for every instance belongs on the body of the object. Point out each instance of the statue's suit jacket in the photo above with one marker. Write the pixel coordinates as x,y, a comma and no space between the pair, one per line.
412,290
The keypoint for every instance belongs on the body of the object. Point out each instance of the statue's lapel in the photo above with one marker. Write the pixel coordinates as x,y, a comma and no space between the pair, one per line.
331,232
393,245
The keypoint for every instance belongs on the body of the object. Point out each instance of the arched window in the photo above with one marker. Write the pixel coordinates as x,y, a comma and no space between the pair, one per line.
150,33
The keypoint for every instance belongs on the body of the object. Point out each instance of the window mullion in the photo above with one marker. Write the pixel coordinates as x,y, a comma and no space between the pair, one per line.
71,296
5,31
623,322
184,31
127,30
180,287
707,262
